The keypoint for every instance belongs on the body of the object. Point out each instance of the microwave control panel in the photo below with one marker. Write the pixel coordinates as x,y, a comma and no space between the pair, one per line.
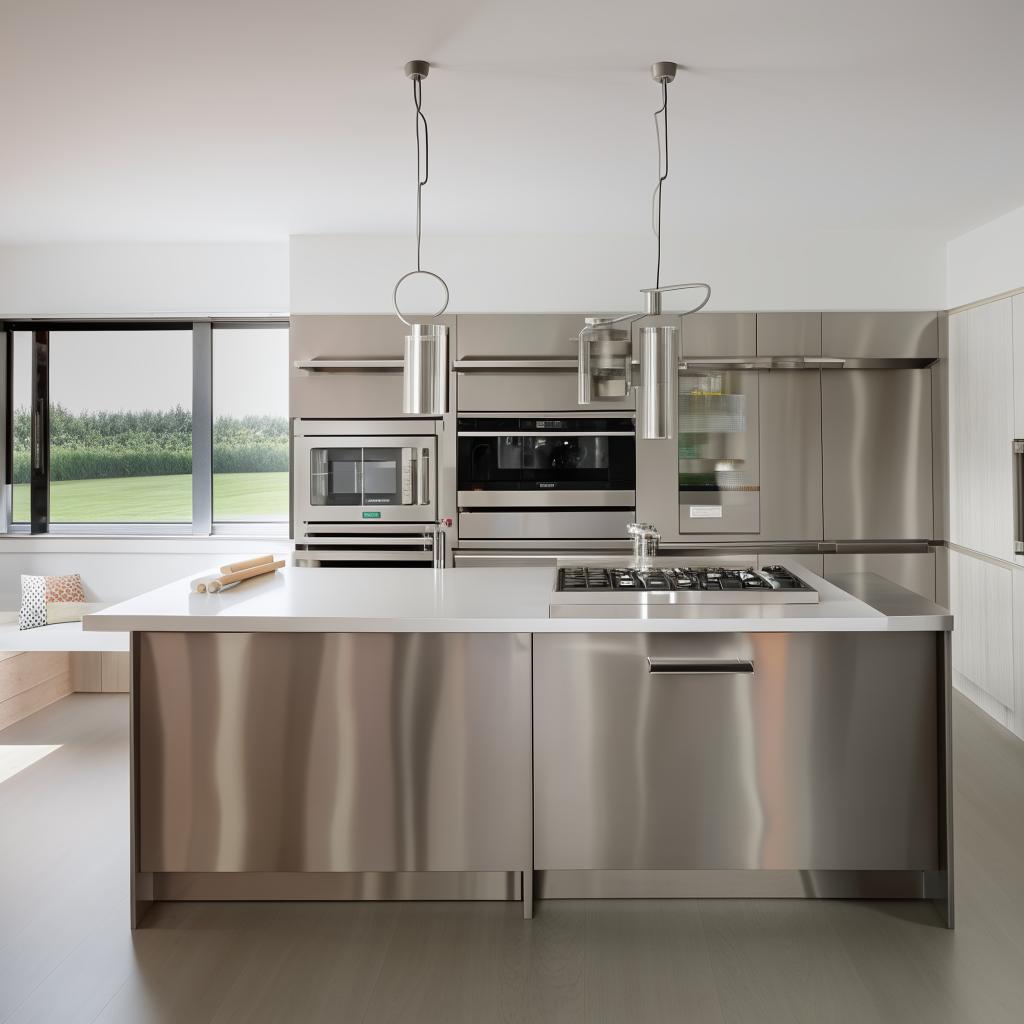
407,498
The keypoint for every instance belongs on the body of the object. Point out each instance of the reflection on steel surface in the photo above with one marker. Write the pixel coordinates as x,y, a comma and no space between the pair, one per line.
334,752
823,758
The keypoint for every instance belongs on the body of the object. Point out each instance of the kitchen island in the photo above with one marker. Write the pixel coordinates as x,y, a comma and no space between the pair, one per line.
454,734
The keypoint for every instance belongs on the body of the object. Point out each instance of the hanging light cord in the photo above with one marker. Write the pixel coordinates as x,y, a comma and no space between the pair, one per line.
660,128
422,160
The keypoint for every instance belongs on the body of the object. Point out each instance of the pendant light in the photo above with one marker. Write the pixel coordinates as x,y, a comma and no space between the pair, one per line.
425,370
604,350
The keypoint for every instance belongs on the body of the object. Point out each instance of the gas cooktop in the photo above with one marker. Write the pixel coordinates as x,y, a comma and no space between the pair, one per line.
773,584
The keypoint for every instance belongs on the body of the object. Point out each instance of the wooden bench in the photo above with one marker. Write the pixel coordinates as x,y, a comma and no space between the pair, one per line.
39,666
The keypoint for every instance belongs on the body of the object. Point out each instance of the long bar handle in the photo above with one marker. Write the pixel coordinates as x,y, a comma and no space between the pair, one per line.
1018,497
547,433
323,364
538,365
673,666
423,477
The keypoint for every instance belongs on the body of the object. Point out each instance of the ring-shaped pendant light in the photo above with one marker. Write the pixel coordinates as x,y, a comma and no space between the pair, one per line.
417,70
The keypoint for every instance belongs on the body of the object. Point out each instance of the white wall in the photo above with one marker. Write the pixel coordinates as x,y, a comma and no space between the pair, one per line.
986,261
840,270
115,568
119,279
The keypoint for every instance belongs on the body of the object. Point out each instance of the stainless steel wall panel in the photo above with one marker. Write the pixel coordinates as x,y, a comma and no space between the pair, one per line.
719,334
791,470
789,334
915,571
284,752
877,453
824,757
880,335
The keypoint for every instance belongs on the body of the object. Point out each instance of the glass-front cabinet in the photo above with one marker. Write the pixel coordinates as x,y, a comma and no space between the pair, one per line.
717,444
705,481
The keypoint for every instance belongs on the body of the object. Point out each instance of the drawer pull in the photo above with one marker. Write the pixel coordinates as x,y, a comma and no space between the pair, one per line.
673,666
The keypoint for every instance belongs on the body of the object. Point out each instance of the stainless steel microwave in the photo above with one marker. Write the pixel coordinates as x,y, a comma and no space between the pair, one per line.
383,477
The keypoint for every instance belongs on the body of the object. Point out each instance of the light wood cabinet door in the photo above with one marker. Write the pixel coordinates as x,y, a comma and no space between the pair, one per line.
981,595
981,429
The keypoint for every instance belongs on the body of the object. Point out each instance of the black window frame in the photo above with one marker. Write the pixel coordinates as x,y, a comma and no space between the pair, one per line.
202,522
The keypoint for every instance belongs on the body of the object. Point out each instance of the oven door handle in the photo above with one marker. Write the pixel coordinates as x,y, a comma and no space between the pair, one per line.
547,433
423,477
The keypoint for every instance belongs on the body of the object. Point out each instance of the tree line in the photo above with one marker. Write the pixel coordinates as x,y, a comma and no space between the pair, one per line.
97,445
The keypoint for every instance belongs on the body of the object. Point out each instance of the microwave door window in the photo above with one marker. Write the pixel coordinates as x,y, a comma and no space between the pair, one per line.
382,474
336,476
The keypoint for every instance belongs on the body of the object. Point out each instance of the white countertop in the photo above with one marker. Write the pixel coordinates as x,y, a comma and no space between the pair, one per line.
486,600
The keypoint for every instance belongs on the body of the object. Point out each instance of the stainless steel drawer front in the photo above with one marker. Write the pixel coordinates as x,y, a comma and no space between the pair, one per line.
334,752
736,751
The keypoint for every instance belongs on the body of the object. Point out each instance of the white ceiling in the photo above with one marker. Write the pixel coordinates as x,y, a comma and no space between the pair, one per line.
258,119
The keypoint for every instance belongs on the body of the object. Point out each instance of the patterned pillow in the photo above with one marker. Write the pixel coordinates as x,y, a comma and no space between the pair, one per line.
49,599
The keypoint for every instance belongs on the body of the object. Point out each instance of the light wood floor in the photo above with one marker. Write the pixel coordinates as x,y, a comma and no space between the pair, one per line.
66,952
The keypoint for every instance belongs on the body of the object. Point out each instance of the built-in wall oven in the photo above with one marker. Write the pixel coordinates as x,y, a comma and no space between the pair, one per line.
545,478
365,493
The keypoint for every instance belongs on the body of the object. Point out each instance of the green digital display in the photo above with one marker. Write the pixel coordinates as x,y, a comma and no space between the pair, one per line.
371,515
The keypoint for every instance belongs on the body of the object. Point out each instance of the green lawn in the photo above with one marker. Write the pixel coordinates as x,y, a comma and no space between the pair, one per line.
237,497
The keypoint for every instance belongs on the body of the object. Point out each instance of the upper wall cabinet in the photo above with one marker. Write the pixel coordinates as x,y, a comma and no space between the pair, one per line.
880,335
719,334
523,362
362,378
520,335
981,429
789,334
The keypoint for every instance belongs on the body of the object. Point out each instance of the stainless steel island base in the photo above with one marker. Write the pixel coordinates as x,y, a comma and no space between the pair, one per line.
748,764
331,766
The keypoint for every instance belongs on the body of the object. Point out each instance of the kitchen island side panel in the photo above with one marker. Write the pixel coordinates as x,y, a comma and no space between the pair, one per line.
737,751
284,752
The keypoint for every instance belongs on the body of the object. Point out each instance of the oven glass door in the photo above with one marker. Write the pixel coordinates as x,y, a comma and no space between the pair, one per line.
541,454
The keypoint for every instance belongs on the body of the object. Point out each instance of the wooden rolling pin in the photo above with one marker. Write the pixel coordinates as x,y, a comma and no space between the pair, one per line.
243,574
248,564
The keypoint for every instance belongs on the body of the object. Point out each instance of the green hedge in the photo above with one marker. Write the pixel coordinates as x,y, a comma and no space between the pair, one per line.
91,446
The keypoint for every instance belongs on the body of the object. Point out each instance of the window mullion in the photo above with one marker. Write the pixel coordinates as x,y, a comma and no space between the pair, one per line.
202,428
39,486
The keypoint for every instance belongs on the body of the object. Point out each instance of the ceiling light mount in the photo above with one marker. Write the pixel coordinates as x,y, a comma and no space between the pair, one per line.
419,69
661,71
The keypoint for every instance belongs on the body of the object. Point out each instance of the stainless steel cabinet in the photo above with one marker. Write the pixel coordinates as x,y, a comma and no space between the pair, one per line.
877,454
365,381
789,334
334,752
791,487
719,334
880,335
521,362
785,751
